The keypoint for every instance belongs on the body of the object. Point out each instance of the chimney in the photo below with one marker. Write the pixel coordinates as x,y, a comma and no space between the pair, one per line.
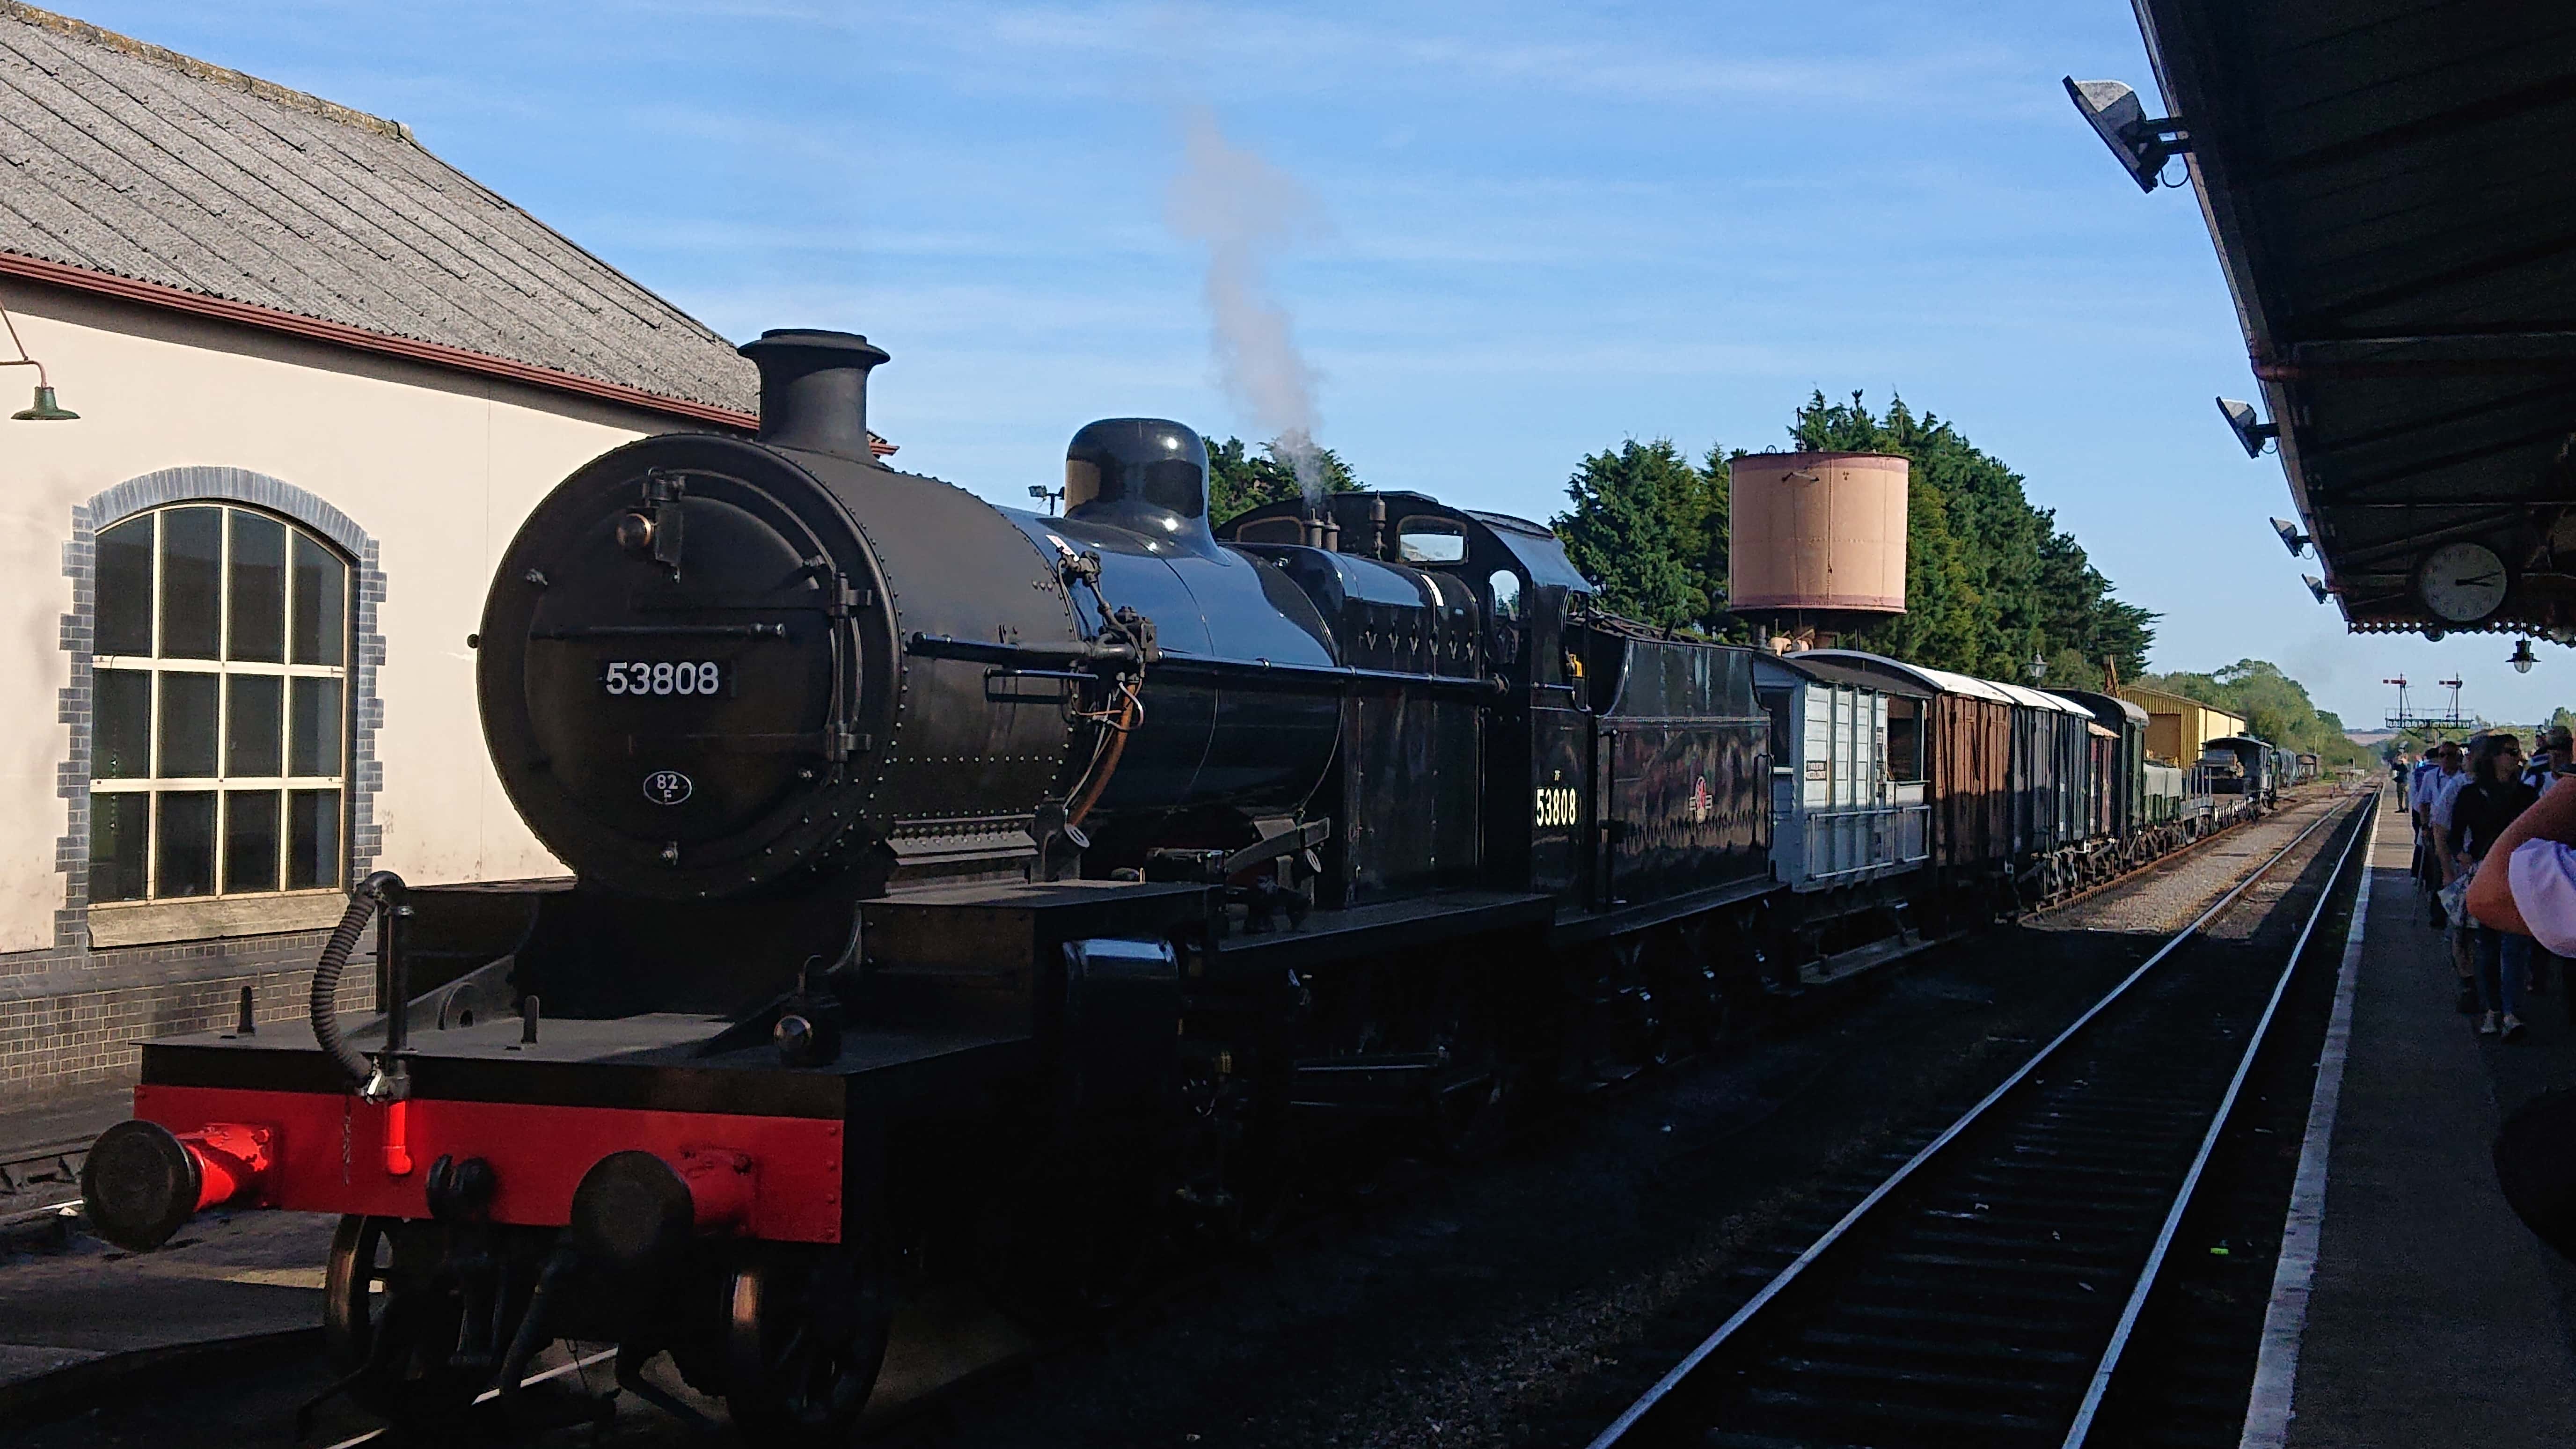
814,389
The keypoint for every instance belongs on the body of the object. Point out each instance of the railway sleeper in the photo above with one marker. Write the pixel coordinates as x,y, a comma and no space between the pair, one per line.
2052,1246
1903,1286
2086,1162
2029,1186
1872,1418
1994,1266
1942,1347
1902,1378
2052,1328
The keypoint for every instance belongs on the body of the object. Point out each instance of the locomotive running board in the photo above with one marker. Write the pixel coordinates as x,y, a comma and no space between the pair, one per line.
1574,928
1388,926
1843,965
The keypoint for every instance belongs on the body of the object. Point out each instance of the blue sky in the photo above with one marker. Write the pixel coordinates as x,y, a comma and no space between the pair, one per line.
1533,230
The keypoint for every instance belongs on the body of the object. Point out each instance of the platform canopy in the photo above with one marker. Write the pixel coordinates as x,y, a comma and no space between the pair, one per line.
2392,188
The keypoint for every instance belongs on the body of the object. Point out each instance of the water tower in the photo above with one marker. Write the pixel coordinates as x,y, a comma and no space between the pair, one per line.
1818,544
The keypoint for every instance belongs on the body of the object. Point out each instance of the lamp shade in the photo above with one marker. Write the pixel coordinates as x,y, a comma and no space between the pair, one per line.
43,410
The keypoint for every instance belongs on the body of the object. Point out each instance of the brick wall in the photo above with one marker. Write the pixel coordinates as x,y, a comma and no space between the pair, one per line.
71,1021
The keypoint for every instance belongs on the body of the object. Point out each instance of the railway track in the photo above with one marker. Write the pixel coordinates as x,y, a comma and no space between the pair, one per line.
2131,873
39,1186
1985,1292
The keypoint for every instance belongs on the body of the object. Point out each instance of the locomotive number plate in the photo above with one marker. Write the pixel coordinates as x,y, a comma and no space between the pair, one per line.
664,677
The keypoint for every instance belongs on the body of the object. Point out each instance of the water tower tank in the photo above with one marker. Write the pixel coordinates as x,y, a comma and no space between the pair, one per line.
1818,539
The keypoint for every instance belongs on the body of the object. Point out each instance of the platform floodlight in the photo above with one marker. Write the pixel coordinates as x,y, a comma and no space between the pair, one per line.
2317,586
2291,539
2120,119
44,409
2248,426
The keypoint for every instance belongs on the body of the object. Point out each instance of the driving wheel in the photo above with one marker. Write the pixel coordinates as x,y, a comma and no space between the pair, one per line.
390,1325
805,1336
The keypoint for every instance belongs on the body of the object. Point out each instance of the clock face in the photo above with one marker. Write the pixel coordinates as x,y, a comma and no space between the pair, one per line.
2461,582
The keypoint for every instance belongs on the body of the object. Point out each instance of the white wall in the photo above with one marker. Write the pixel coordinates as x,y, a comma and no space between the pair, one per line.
438,467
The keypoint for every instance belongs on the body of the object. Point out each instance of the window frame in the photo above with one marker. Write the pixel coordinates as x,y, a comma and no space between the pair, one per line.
222,786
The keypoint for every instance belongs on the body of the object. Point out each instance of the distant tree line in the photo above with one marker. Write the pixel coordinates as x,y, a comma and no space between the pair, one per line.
2274,707
1240,479
1990,579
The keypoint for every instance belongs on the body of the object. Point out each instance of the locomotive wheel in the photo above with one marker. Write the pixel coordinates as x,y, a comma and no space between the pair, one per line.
805,1336
1470,1098
389,1325
1624,1031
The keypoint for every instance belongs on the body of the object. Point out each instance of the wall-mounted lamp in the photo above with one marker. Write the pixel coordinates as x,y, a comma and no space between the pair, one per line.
2248,426
2117,116
2522,658
2291,539
44,409
2317,586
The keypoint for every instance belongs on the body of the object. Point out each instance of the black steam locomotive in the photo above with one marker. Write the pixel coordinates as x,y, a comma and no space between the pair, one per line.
961,890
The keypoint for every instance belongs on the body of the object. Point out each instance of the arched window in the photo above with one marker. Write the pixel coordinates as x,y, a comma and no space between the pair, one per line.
219,762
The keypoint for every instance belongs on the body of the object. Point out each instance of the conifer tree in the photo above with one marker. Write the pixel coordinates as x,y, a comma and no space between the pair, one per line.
1625,531
1240,480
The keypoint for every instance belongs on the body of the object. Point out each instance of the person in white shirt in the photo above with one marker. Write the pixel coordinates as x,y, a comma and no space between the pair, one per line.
2439,771
2557,750
2446,794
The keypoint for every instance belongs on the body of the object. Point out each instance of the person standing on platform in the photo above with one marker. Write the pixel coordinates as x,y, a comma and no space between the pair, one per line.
2473,815
2557,755
2441,786
2441,762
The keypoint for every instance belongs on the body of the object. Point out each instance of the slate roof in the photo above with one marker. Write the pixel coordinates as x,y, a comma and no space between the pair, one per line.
134,161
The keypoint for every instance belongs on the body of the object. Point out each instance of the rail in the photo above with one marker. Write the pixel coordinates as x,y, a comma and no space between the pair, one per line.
1677,1408
42,1184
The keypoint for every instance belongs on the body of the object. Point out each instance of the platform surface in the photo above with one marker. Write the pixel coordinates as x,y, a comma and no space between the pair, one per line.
2431,1316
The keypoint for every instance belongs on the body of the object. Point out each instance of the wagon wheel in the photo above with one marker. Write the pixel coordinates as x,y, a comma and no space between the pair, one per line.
394,1351
805,1336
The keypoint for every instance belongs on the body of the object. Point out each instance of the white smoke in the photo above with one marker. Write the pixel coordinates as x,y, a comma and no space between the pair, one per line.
1242,208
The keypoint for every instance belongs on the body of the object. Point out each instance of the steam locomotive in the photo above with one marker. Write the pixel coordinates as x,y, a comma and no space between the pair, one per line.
960,890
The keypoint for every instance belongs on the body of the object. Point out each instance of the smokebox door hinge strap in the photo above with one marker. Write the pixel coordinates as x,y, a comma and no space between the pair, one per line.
662,492
848,599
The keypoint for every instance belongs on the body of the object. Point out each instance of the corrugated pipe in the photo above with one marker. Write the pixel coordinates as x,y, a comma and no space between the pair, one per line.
371,893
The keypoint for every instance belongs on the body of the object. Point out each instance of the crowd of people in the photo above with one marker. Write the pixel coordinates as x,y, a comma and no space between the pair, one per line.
2505,929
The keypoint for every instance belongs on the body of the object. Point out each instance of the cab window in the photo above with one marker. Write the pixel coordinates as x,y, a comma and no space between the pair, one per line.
1271,530
1427,538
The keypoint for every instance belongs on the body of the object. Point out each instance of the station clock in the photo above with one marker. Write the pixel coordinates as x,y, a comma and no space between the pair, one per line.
2461,582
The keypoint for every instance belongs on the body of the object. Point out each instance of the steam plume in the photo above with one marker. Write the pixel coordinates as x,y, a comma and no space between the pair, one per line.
1242,208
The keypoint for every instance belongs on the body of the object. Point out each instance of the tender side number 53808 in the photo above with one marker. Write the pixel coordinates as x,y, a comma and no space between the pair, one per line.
665,676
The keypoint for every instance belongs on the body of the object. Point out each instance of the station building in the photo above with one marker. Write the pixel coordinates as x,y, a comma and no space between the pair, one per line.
320,378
